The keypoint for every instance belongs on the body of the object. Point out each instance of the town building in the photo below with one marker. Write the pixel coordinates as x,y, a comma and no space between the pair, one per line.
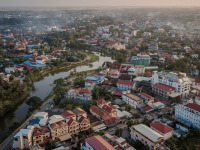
41,135
141,60
131,99
125,85
147,136
188,115
23,139
164,130
113,73
89,84
105,112
96,143
171,84
79,94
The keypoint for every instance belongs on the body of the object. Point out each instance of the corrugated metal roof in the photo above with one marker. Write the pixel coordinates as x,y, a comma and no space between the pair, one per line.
148,132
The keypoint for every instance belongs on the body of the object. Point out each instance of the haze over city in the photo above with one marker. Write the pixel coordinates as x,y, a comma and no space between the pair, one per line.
96,3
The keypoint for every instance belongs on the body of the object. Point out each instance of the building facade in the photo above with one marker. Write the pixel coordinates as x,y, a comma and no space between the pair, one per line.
141,60
188,114
147,136
177,80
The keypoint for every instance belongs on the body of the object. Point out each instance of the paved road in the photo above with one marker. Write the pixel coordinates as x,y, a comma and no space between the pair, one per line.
9,140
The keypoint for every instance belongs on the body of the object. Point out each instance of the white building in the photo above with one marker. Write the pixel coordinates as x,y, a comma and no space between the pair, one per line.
131,99
23,139
179,81
79,94
147,136
10,70
125,85
41,115
188,114
164,130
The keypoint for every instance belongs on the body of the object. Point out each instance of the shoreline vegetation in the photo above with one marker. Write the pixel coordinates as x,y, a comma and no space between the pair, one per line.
23,90
45,72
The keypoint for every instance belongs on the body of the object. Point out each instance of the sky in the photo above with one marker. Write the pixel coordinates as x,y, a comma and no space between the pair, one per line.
96,3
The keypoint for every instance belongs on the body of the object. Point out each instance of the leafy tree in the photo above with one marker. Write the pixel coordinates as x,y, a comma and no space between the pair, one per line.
50,145
128,108
34,102
118,132
11,78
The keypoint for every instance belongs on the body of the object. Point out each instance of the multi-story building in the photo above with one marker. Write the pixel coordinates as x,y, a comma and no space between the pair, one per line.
147,136
153,47
131,99
59,130
147,98
41,135
141,60
125,85
163,129
188,115
113,73
77,120
23,139
89,84
174,81
96,143
105,112
79,94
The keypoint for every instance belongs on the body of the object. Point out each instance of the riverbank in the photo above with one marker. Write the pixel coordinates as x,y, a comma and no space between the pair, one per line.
42,89
37,75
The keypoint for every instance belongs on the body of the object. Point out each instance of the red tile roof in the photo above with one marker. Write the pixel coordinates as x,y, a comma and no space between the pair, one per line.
102,102
194,106
146,95
125,82
117,93
197,80
98,143
85,91
146,108
68,114
164,87
72,122
161,127
90,81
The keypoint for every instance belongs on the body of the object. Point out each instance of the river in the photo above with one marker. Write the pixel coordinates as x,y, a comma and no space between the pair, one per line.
42,90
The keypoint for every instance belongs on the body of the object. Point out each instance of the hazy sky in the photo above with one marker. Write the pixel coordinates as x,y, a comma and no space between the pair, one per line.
56,3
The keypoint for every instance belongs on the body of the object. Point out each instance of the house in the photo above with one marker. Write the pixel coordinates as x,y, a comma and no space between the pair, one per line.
147,136
79,94
41,115
104,112
41,135
59,130
96,143
147,98
153,47
125,77
41,59
163,129
125,85
118,142
9,70
141,60
131,99
113,73
89,84
188,114
23,139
